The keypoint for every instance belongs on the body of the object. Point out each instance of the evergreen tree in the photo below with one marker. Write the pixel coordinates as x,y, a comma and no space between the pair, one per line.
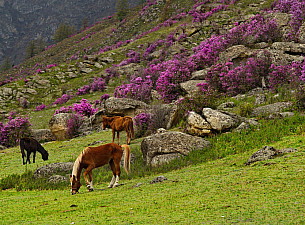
6,65
41,44
31,49
63,31
122,9
84,24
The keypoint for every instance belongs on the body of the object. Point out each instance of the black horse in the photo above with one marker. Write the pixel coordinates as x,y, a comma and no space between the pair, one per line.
31,145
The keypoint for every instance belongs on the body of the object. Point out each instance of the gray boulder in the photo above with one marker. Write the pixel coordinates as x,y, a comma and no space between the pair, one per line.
163,147
219,121
57,179
42,135
124,106
54,169
196,125
267,152
274,108
190,87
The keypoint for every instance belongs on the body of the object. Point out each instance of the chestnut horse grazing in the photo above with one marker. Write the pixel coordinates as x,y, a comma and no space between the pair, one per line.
32,145
118,124
93,157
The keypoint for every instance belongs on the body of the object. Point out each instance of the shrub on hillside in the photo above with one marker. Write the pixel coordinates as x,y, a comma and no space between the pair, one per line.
16,127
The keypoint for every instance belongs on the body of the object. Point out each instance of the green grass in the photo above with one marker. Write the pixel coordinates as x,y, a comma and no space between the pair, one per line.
218,192
209,186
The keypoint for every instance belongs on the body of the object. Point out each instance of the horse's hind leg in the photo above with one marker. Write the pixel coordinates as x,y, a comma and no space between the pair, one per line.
128,137
28,157
112,166
117,170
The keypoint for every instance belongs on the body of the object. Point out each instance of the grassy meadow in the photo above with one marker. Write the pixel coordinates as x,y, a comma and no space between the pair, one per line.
208,187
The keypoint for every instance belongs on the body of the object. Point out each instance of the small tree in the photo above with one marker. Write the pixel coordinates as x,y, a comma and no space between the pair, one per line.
30,49
63,31
40,45
122,9
6,65
84,24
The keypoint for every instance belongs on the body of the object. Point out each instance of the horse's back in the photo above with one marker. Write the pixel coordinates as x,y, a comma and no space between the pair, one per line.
102,154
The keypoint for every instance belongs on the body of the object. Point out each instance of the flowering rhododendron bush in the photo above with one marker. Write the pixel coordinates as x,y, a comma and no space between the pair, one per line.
83,109
139,89
143,124
78,111
16,127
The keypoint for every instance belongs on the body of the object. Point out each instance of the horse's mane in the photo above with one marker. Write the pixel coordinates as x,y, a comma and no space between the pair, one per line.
76,166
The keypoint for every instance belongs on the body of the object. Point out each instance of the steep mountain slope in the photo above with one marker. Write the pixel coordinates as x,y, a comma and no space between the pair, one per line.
23,21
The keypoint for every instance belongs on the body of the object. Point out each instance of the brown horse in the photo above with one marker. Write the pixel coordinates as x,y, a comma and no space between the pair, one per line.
93,157
32,145
118,124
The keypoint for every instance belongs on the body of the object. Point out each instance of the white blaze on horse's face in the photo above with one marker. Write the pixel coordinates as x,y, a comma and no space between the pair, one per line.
75,185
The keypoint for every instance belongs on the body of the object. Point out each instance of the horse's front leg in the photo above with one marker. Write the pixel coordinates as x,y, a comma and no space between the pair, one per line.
113,135
118,134
34,155
88,171
128,137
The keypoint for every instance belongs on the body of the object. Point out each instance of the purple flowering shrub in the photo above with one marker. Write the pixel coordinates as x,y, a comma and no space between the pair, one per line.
15,128
168,84
63,99
230,80
143,124
73,124
40,107
139,89
98,84
78,111
84,108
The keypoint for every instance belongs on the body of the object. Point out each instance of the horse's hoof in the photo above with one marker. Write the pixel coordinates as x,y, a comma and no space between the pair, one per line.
115,185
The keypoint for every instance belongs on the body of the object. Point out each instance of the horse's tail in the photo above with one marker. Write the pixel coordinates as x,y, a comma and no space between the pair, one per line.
126,158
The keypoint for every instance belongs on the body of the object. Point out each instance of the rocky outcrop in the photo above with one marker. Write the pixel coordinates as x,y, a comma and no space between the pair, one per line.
163,147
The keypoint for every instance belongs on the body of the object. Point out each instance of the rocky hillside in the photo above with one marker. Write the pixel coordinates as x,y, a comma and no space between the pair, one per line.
23,21
196,55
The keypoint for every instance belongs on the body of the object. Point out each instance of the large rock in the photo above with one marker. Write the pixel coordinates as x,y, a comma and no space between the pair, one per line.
267,152
124,106
196,125
167,115
236,53
42,135
163,147
190,87
267,110
54,169
219,121
58,126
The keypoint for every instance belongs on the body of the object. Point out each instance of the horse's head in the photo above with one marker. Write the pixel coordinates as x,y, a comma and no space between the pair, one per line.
106,122
75,184
45,155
